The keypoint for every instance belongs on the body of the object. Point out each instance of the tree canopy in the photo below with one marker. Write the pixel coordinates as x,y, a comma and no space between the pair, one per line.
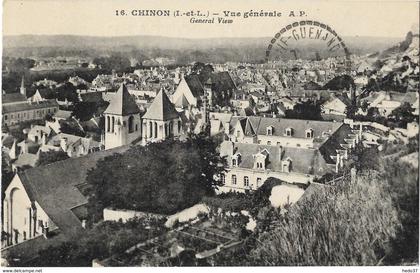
161,177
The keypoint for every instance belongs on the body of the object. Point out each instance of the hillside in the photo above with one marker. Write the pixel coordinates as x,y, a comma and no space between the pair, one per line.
253,48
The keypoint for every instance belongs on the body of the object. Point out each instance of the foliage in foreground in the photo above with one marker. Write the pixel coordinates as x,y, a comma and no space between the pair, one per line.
160,178
100,242
350,224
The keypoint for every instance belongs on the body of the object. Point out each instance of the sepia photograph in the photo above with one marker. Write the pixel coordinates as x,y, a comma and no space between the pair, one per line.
189,133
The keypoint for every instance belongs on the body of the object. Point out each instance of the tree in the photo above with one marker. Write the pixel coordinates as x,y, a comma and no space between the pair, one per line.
48,157
342,82
403,113
305,110
161,177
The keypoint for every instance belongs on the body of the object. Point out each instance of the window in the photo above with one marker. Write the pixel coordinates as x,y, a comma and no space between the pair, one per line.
108,124
268,142
289,132
278,143
137,128
309,133
222,178
233,179
131,124
234,162
258,181
269,130
5,117
259,141
246,181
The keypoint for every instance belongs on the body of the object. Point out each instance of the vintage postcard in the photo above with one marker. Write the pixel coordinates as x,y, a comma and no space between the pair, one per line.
142,133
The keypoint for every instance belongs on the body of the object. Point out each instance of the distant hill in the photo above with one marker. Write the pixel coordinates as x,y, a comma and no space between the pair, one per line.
25,44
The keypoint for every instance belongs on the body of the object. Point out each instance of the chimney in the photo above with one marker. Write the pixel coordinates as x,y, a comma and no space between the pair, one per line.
25,148
44,139
280,152
337,163
226,126
63,144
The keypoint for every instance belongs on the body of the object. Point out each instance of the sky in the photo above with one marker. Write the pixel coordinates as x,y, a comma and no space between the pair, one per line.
98,18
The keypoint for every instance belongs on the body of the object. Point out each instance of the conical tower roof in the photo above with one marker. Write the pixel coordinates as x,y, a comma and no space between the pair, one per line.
122,103
161,108
182,102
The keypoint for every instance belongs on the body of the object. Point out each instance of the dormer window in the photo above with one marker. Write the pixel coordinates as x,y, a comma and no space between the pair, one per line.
236,160
260,159
270,130
309,133
289,131
286,165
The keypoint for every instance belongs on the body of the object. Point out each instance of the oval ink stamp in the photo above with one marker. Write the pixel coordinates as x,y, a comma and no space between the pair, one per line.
306,32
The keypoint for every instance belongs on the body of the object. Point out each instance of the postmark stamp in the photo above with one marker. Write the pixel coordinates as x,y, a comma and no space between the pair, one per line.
302,32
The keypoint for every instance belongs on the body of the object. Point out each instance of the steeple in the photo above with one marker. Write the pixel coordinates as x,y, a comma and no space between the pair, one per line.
13,151
22,86
161,108
122,103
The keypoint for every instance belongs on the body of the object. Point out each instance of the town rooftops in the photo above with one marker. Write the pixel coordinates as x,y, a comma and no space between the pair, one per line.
161,108
122,103
63,114
307,161
13,98
54,187
220,81
279,126
195,85
12,108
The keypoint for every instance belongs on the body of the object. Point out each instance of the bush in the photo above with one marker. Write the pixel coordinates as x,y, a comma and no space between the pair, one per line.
350,224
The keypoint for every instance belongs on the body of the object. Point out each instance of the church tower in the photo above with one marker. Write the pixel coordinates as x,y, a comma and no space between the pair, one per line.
161,120
22,87
122,120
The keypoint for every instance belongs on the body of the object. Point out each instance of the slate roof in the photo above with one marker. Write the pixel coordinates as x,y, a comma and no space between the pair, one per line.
299,127
26,159
181,102
122,103
220,81
329,147
306,161
246,112
161,108
63,114
195,85
12,108
54,187
12,97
